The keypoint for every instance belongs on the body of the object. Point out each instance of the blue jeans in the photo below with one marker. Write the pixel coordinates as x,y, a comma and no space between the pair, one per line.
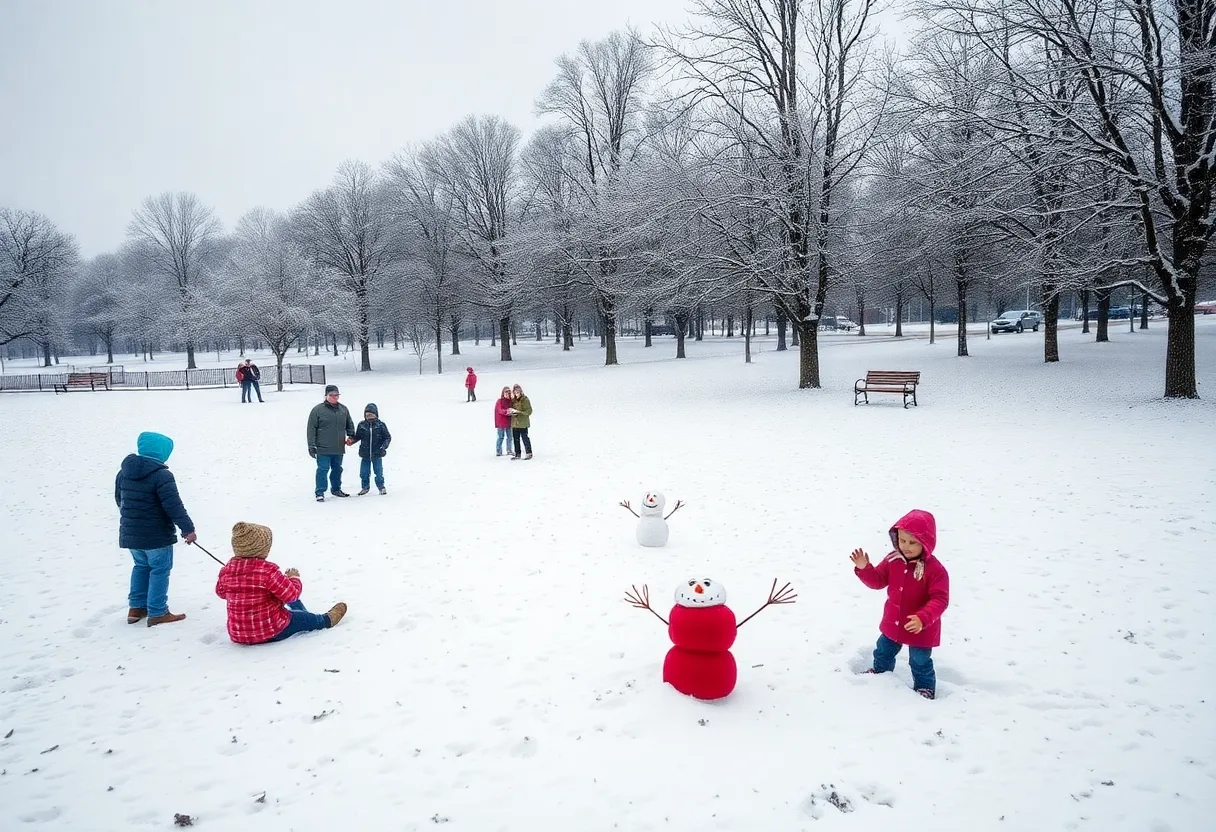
246,385
503,441
150,580
331,465
367,466
920,659
302,621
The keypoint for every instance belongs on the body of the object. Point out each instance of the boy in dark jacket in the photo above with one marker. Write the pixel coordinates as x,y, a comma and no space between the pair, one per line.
373,437
149,507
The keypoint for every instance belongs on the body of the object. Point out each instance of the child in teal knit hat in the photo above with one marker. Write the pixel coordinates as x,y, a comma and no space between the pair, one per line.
149,507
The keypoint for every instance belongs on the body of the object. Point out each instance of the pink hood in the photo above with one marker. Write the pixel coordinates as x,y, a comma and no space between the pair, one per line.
921,525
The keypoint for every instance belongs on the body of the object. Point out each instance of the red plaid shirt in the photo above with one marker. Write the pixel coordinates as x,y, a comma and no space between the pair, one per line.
256,591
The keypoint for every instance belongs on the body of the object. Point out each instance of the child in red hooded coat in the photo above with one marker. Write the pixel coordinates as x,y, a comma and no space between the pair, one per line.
918,592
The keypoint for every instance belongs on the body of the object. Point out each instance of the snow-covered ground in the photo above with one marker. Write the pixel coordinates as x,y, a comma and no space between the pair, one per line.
489,675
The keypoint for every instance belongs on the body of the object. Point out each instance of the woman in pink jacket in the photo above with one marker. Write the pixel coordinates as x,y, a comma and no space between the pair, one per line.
918,592
502,421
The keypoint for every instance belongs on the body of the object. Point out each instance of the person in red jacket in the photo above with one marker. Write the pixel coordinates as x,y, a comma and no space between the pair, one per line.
502,421
263,602
470,385
918,592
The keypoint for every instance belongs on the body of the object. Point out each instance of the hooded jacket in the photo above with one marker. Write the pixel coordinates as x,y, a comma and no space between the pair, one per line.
501,419
523,414
146,494
470,381
373,437
920,587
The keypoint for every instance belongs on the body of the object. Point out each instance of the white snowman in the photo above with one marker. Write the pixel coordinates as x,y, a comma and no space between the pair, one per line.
652,525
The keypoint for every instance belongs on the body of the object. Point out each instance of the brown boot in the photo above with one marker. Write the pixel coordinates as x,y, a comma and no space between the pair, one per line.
167,618
136,614
335,613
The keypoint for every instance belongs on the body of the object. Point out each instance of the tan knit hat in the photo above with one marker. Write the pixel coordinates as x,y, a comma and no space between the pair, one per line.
249,540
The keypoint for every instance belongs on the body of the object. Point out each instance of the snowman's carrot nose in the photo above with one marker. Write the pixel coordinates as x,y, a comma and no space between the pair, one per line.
698,589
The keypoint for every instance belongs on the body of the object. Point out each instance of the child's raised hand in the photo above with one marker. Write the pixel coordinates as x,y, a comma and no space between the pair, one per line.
860,559
292,572
914,625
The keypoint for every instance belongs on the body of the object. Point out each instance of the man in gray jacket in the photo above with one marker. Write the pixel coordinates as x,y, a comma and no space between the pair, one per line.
329,426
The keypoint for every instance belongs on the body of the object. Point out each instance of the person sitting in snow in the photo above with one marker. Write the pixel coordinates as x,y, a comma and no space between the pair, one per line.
470,385
149,507
264,602
372,437
918,592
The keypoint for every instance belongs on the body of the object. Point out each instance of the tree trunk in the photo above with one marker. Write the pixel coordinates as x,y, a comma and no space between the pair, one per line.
807,333
538,335
1051,340
682,322
899,314
190,363
1103,315
747,333
278,362
439,345
960,284
567,335
1085,311
782,323
1180,346
504,337
648,323
454,327
1144,310
46,353
609,304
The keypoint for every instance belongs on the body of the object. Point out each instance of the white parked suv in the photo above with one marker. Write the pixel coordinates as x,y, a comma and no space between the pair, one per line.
1017,320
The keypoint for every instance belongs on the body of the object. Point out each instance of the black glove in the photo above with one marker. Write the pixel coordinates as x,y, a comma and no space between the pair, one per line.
312,452
384,452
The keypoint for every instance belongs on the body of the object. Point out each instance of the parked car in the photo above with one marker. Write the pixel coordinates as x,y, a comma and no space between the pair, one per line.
837,322
1207,307
1017,320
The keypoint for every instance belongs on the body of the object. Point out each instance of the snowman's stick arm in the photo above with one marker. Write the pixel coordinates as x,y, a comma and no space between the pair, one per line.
785,595
625,505
679,505
641,600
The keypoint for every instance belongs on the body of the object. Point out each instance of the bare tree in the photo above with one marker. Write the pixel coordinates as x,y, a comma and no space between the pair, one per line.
427,220
476,165
598,94
745,57
1163,144
36,261
100,298
347,230
274,291
172,234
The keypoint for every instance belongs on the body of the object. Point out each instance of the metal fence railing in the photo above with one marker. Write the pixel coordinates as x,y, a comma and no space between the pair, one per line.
124,379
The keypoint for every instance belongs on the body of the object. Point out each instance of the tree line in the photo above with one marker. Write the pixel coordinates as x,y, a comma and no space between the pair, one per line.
768,157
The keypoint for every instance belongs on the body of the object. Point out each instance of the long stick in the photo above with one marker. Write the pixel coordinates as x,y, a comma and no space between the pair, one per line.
213,557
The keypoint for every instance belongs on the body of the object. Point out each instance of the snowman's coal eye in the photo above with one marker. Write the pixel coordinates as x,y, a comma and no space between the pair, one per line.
691,583
706,582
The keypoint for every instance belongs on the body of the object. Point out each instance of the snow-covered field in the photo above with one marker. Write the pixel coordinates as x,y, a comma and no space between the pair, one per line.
489,675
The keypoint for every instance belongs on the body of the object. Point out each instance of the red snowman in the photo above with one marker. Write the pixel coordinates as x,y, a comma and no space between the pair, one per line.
702,630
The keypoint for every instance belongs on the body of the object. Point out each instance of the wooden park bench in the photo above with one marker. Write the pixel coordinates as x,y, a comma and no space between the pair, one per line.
887,381
84,381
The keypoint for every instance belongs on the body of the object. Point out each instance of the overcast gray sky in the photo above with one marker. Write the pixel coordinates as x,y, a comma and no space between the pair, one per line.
256,102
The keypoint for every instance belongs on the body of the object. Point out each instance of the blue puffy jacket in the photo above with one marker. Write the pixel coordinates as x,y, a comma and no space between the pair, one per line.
149,505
